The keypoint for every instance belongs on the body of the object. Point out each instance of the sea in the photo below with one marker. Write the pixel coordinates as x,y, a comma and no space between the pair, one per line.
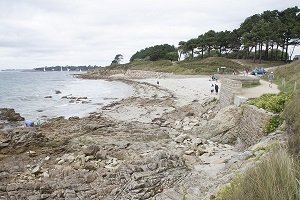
25,91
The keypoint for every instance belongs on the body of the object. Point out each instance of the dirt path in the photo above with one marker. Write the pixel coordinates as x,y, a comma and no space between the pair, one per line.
263,88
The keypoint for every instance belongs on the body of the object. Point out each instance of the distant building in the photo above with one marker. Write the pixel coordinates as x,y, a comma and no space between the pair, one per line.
296,57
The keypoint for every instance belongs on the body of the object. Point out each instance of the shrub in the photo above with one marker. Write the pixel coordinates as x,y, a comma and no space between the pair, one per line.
272,102
273,123
275,178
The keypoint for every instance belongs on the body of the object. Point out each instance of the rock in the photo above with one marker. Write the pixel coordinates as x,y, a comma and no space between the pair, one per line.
32,153
9,114
36,170
90,166
74,118
89,178
70,158
57,92
180,138
3,145
45,175
48,97
101,155
200,152
47,158
70,194
189,152
91,150
61,161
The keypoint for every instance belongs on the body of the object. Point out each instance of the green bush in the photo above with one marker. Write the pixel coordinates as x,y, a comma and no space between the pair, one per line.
272,102
273,123
276,178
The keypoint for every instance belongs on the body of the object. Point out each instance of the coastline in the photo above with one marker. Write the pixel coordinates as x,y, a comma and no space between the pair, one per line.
154,144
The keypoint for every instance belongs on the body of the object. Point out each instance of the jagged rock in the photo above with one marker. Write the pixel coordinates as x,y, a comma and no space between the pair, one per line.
9,114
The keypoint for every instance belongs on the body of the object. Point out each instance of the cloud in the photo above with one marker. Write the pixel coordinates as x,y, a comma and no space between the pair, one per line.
82,32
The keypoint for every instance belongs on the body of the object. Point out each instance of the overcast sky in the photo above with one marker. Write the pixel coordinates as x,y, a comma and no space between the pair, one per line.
37,33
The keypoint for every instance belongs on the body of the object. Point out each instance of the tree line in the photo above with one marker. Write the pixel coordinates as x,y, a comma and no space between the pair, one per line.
268,36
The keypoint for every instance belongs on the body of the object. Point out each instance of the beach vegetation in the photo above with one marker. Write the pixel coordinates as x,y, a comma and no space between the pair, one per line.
276,178
274,103
292,119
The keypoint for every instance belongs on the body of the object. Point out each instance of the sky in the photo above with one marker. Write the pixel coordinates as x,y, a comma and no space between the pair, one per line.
38,33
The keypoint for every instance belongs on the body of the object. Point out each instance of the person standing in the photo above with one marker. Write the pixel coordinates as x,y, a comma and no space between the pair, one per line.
216,88
212,88
270,77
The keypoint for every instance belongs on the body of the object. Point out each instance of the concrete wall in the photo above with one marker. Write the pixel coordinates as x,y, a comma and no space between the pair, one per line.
253,120
250,128
228,91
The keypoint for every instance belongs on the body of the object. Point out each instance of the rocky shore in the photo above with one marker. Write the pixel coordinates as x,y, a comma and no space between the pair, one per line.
157,144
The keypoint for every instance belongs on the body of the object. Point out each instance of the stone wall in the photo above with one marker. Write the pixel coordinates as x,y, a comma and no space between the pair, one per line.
251,124
228,90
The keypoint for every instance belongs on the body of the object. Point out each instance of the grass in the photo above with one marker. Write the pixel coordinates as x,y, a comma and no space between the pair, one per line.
250,84
292,119
287,75
187,67
274,178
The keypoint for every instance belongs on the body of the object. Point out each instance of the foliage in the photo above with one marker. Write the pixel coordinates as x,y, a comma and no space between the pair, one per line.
272,102
274,178
118,58
262,36
273,123
158,52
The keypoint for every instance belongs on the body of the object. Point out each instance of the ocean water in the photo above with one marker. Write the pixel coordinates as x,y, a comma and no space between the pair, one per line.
26,92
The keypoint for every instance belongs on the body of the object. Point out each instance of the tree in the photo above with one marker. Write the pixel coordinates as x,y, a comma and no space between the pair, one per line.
209,40
157,52
290,20
118,59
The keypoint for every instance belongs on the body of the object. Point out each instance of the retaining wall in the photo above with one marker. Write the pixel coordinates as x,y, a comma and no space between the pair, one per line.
250,128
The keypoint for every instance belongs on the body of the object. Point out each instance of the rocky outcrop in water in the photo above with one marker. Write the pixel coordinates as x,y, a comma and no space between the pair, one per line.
9,114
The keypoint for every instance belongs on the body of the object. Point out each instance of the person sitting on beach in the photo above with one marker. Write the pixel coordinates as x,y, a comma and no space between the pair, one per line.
29,123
